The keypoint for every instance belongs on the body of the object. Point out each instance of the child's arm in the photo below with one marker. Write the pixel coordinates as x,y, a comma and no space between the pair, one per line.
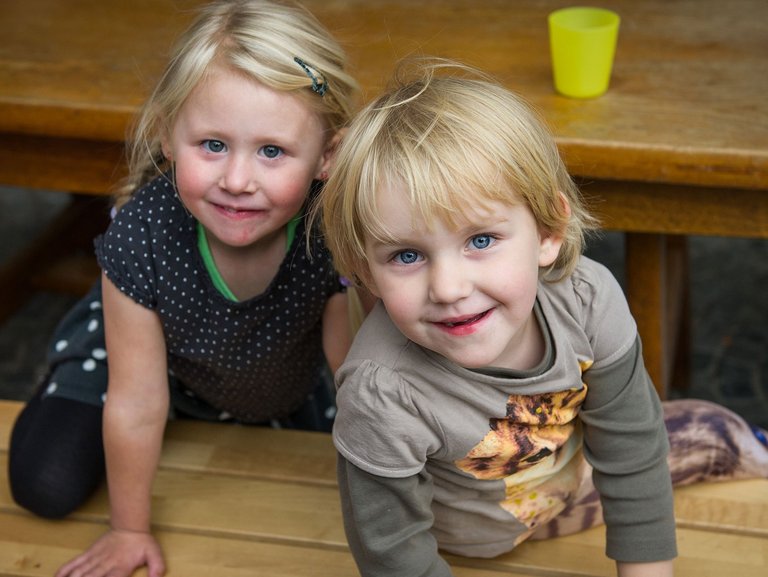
387,523
343,315
136,410
626,443
135,414
337,334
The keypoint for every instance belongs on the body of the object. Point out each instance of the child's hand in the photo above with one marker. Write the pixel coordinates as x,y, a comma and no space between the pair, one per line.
117,554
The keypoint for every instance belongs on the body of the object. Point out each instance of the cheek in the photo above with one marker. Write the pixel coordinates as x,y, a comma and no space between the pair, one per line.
297,190
524,297
291,189
401,300
518,287
190,179
404,317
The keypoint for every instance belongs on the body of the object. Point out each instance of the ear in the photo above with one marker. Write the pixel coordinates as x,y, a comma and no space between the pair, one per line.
329,154
550,242
549,248
365,278
370,286
165,146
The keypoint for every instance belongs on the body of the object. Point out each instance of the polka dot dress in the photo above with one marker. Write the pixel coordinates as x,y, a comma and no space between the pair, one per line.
256,360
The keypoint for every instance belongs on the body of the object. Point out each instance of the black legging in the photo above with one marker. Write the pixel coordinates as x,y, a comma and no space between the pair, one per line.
56,455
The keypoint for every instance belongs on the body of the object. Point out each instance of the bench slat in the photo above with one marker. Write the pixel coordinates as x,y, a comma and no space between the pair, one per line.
188,555
221,505
31,547
8,412
235,508
229,507
739,507
701,553
259,452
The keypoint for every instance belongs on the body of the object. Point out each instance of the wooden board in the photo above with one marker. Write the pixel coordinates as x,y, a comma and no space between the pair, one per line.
233,500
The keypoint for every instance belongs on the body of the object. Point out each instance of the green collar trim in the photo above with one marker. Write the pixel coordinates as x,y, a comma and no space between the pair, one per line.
210,265
290,230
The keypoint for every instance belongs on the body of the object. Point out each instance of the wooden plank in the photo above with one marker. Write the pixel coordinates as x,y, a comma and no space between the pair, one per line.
661,208
739,507
8,412
580,555
242,516
258,452
66,164
237,508
32,547
228,506
701,554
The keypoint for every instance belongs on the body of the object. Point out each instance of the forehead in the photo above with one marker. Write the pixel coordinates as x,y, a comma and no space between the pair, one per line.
227,94
400,210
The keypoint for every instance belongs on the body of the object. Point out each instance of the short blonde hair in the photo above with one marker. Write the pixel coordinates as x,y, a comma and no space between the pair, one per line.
454,141
259,38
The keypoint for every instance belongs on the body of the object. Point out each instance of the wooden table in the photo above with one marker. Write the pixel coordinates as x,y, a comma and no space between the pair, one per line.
678,145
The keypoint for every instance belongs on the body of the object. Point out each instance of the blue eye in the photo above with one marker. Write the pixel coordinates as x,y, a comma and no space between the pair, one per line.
482,241
215,146
406,257
271,151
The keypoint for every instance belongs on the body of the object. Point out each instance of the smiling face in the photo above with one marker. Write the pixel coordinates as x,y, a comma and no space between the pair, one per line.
466,291
244,157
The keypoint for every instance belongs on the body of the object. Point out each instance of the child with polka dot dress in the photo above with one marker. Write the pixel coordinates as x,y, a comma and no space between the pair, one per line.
215,301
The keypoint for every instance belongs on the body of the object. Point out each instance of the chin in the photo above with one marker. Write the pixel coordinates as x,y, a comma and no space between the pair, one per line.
470,362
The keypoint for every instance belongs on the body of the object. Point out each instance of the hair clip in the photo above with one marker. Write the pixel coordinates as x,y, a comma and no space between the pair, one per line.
311,71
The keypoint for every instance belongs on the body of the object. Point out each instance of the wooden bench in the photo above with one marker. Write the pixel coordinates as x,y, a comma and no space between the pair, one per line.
236,501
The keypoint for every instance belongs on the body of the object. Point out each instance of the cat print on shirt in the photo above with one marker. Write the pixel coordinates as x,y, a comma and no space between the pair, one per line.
536,450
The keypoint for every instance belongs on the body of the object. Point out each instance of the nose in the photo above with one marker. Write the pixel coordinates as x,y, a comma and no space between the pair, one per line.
239,175
449,281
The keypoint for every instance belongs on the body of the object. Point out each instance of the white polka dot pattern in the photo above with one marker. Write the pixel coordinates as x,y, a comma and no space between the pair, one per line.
256,359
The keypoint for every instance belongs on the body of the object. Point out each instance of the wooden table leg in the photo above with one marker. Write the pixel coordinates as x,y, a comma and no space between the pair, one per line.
657,291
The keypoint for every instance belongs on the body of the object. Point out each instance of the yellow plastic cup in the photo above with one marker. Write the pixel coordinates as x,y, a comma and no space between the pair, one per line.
582,41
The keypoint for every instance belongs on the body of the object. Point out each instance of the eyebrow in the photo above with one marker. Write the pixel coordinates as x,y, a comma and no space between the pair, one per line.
390,242
468,229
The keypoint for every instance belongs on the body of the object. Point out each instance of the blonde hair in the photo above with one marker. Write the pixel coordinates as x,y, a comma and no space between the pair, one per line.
453,141
260,38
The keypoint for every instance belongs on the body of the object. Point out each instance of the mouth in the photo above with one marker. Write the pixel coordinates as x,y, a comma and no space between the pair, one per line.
465,321
234,211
